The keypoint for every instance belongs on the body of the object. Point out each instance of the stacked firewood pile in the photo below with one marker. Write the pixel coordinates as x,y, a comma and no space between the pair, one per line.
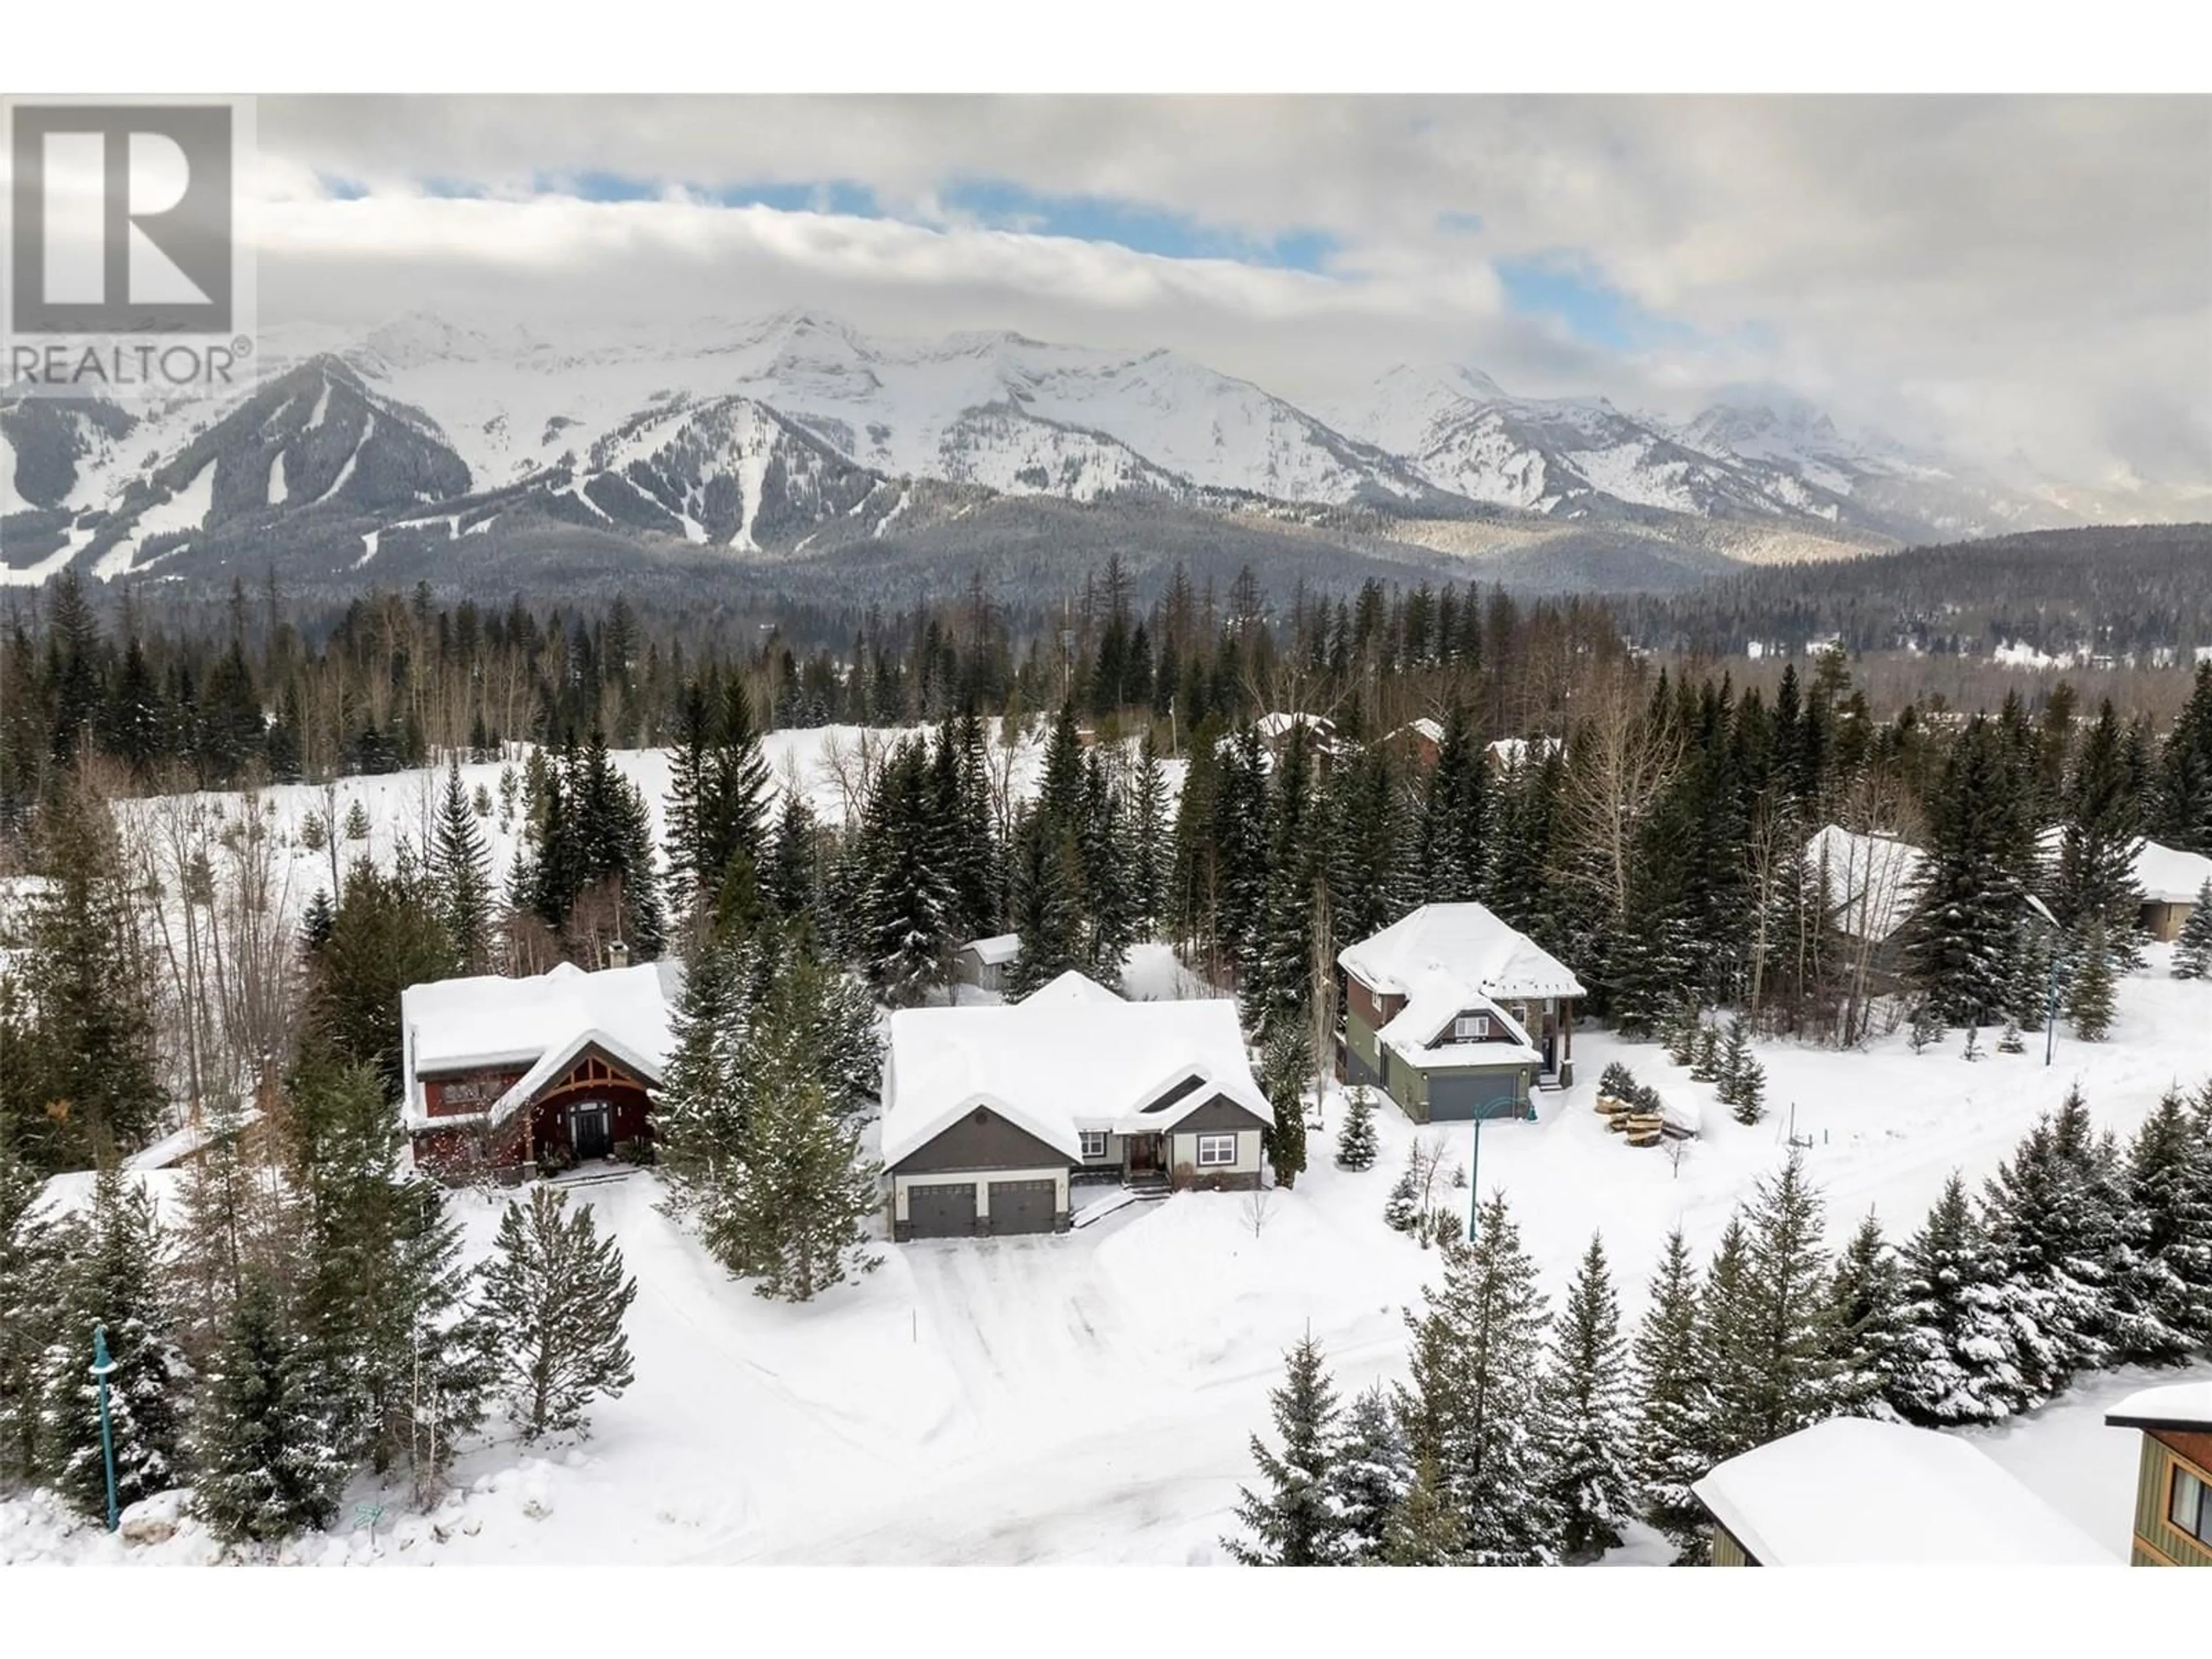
1633,1110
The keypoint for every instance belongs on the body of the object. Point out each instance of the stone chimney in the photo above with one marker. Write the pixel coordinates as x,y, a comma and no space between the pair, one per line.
618,954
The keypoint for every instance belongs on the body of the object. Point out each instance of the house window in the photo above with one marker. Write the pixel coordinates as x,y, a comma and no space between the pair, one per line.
1094,1143
2191,1509
1471,1028
1215,1152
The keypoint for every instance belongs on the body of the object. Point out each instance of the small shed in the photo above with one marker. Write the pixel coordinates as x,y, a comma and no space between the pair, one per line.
2171,880
982,962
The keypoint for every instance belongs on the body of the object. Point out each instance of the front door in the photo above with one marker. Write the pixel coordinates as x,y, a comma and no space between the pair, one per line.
1144,1154
591,1131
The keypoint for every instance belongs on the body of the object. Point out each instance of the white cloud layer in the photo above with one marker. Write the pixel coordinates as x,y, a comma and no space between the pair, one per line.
2029,274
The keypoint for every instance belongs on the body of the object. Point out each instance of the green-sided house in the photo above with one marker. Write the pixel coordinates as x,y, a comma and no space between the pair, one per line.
1455,1015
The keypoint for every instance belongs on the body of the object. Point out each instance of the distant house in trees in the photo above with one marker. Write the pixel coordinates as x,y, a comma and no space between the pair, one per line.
1872,879
2170,879
2173,1484
1322,743
991,1113
1511,753
1418,743
982,962
1850,1491
1457,1016
509,1074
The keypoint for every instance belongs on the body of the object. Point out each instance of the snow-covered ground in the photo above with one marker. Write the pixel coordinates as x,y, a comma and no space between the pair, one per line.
1087,1398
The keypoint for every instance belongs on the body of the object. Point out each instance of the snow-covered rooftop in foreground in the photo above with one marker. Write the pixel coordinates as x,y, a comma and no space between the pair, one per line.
455,1025
2172,1405
1071,1056
1873,878
2168,875
1854,1492
1467,941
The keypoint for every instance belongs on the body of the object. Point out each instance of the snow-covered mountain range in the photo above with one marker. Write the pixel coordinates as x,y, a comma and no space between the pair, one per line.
796,434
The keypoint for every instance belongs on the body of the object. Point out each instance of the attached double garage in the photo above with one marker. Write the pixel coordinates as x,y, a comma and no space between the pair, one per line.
984,1177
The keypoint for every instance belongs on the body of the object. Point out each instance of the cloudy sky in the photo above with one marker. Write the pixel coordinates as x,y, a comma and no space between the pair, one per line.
2028,276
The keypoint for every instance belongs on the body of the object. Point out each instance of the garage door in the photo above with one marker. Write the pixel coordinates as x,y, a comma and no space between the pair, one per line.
1022,1206
941,1211
1459,1099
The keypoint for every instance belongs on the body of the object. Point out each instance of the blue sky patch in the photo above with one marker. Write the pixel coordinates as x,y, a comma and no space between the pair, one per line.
1593,310
1133,225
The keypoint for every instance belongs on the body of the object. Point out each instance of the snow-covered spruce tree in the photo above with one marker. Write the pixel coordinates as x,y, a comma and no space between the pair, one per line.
795,1209
382,1303
1285,1063
1401,1210
1959,940
1295,1520
2010,1041
791,878
1673,1428
1926,1030
2094,882
1149,847
1588,1415
460,870
1742,1078
2089,987
1866,1322
2165,1276
2052,1212
553,1297
1373,1474
1427,1529
699,1108
1726,1348
1706,1060
1355,1141
115,1259
266,1463
27,1269
1471,1402
1681,1035
1779,1357
357,823
2192,948
1957,1361
1047,908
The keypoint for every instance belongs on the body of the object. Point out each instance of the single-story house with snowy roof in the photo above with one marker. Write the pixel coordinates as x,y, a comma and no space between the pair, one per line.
1455,1016
982,962
510,1073
1850,1491
991,1113
2171,880
1418,742
2173,1482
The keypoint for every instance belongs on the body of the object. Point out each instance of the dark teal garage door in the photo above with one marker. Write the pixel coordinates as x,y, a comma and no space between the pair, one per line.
1486,1094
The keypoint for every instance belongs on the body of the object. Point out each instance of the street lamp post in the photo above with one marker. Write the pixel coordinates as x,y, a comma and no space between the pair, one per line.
101,1365
1474,1178
2051,979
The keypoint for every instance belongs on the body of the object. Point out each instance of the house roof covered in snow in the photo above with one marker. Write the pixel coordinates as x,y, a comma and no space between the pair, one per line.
2172,1405
1071,1057
1510,753
1468,942
1850,1491
1433,1000
2168,875
1873,878
541,1024
997,950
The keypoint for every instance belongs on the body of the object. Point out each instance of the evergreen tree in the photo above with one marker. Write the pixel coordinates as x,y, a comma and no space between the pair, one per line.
1355,1141
1742,1078
1296,1520
2052,1215
1779,1355
1673,1424
1959,938
1373,1473
2089,991
1149,847
790,881
1471,1407
2181,803
699,1109
2163,1292
1588,1416
1866,1322
385,936
115,1259
1957,1361
460,867
2094,883
28,1264
553,1297
2192,948
1401,1210
1427,1529
267,1464
1045,887
1285,1063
